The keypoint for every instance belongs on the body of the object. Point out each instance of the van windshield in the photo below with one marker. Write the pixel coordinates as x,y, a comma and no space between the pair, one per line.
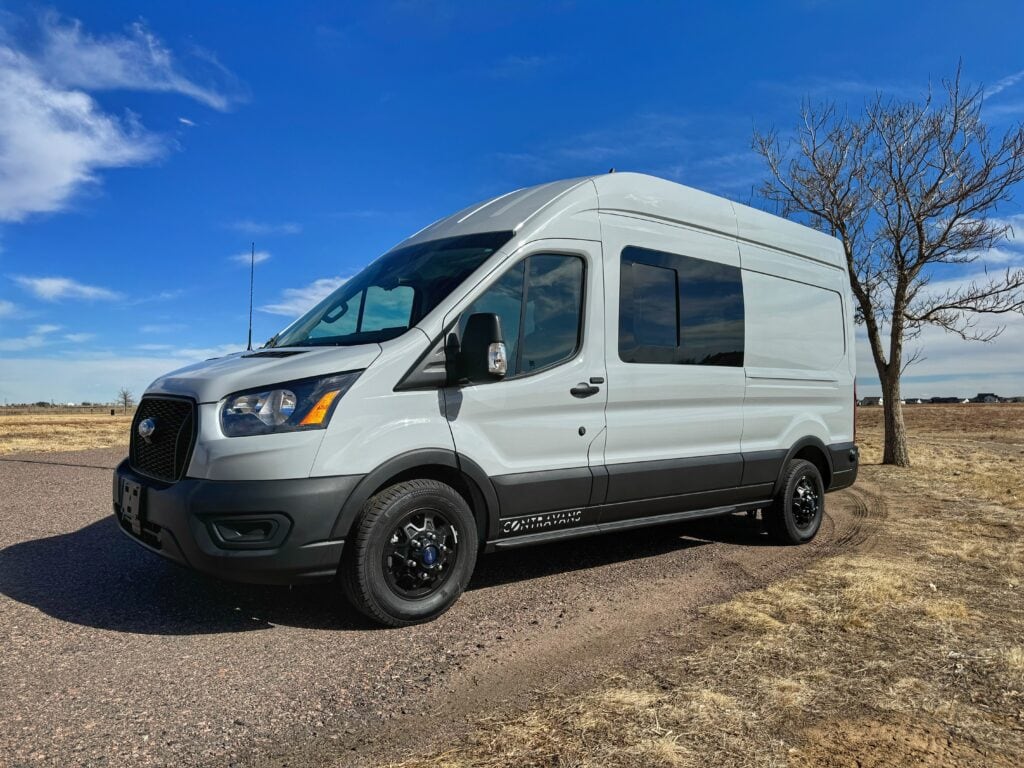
392,294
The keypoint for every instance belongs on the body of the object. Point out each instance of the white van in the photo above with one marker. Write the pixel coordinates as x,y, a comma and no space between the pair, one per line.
575,358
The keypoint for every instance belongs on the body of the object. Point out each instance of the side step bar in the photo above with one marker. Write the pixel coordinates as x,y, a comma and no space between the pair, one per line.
619,525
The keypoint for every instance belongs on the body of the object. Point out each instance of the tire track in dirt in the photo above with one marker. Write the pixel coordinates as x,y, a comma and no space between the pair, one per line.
634,613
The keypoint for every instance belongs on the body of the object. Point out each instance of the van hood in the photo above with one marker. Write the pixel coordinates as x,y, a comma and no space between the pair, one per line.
214,379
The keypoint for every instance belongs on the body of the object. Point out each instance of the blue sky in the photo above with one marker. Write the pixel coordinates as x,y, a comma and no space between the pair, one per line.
143,147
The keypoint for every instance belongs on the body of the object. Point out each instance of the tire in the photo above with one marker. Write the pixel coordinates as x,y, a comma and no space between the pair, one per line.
790,520
392,548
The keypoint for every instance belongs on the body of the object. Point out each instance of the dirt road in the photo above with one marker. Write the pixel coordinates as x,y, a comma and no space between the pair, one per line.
112,656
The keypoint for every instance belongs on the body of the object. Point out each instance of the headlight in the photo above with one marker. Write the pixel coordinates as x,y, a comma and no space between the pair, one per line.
290,407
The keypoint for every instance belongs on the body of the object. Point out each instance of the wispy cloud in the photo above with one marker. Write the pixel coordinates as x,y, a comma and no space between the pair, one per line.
517,66
78,338
54,137
57,288
7,308
358,213
296,301
1007,82
137,61
22,343
251,227
244,258
43,329
162,328
837,87
186,121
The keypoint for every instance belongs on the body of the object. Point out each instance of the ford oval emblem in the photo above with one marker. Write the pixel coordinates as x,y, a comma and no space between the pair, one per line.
146,429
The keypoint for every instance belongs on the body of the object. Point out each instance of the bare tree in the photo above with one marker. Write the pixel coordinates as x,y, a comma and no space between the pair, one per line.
908,186
125,398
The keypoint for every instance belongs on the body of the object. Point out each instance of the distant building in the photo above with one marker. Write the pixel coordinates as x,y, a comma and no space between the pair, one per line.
987,397
871,401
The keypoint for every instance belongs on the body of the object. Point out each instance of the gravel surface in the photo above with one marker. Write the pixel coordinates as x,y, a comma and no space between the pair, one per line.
111,656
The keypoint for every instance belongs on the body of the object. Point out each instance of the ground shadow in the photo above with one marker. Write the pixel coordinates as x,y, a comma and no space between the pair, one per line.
96,577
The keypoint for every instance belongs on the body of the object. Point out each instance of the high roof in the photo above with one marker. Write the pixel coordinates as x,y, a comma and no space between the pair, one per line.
636,194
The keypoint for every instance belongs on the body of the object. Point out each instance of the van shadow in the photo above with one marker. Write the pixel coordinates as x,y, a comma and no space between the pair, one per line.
96,577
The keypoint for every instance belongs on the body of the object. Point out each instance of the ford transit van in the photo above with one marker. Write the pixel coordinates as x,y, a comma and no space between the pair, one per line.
576,358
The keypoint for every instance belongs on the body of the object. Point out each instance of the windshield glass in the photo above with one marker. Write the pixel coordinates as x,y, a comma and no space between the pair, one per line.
392,294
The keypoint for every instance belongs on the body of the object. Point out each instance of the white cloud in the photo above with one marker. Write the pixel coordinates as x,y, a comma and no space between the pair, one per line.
7,308
1007,82
296,301
186,121
136,61
243,258
250,227
952,366
519,66
95,377
22,343
56,288
162,327
75,379
54,137
46,329
52,141
78,338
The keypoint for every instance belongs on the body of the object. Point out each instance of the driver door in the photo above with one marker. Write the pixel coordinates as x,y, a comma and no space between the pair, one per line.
537,432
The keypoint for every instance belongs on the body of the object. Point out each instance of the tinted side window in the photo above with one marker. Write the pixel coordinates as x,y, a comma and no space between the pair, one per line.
540,303
551,317
678,309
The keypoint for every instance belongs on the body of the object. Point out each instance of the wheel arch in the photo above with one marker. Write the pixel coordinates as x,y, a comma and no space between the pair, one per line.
446,466
810,449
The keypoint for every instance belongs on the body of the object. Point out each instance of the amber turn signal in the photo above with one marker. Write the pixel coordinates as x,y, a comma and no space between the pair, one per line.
319,411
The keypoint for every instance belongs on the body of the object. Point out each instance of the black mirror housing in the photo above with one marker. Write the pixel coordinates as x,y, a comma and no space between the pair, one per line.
481,356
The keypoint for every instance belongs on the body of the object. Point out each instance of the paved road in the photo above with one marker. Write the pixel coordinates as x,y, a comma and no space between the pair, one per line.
111,656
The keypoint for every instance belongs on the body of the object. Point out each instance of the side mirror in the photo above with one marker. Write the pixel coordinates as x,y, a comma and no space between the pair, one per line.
482,355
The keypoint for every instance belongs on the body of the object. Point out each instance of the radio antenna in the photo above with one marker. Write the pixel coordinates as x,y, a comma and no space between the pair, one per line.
252,275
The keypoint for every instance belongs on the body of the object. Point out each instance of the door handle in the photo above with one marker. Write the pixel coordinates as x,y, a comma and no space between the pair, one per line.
584,390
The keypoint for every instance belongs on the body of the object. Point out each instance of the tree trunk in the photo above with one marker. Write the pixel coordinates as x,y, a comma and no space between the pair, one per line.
895,430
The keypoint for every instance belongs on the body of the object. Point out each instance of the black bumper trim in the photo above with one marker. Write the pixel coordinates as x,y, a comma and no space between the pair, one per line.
177,524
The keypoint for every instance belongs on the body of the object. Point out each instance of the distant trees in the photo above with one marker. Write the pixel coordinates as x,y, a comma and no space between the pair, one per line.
909,187
125,399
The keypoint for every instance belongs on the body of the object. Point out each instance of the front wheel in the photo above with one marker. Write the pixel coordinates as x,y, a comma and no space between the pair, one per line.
411,554
795,516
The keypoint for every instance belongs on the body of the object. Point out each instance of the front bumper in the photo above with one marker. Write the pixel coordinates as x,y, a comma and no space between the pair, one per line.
263,532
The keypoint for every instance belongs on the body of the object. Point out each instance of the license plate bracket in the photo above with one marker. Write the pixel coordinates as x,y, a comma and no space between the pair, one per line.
131,505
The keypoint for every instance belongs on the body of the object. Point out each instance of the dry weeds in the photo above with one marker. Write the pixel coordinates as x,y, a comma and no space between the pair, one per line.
62,432
907,653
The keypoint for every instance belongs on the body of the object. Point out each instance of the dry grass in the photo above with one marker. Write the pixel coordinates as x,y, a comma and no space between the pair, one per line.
62,432
906,653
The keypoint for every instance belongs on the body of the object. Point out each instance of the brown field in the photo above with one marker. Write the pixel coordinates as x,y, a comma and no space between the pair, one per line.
75,431
907,652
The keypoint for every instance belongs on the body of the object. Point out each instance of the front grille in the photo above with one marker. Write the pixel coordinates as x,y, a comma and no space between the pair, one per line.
164,456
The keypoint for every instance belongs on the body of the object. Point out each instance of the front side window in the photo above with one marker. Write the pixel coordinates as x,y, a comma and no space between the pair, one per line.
540,304
392,294
679,309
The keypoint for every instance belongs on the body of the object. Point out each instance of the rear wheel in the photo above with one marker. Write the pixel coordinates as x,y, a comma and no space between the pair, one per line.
411,554
796,514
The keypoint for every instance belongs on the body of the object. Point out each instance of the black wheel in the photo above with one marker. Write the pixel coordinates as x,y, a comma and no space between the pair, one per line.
411,553
795,517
